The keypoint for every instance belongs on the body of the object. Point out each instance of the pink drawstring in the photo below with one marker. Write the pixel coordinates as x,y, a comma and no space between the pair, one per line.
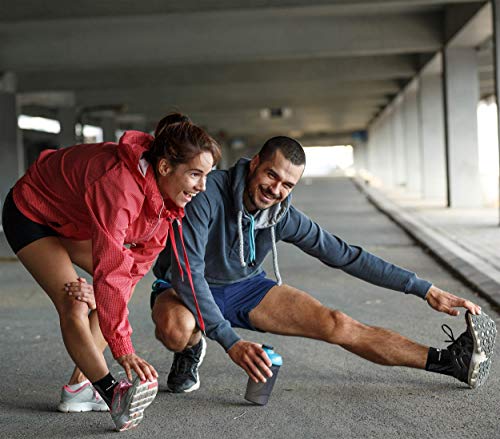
188,269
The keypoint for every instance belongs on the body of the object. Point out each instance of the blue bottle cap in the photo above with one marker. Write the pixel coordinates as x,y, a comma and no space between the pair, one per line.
273,356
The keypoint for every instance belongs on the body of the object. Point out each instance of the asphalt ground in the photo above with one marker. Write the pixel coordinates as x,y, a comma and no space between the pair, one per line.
321,391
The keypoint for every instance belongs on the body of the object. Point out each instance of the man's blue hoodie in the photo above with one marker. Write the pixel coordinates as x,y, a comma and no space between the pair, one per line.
225,244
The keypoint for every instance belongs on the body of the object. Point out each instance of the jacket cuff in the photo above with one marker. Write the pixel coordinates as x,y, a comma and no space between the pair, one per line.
121,346
418,287
225,336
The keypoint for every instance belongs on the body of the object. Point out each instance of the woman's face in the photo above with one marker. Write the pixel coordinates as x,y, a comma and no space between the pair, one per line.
183,182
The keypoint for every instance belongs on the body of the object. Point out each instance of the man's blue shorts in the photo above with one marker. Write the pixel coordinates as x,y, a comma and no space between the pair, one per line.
234,300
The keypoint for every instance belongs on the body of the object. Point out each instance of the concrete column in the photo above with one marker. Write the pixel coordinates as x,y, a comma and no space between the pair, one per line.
432,137
398,135
371,153
108,125
67,119
461,85
387,151
359,153
11,148
412,140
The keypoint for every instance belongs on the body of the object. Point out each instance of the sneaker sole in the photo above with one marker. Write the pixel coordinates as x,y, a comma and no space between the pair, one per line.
196,385
81,407
144,395
484,332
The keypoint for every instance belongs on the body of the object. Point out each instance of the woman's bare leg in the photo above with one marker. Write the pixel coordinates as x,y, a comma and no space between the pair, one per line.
80,253
50,264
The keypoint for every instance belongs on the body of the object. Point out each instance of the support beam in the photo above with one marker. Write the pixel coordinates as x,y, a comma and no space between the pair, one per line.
213,37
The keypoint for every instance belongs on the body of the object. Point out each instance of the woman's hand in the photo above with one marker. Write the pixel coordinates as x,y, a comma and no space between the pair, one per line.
252,358
81,291
141,367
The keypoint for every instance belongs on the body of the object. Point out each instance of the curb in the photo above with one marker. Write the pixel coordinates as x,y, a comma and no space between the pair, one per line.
474,271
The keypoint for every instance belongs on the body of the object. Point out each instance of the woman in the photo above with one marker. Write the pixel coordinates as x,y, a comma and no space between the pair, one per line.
109,209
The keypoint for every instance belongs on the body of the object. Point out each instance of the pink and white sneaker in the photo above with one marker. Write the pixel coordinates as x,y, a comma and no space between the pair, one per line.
83,399
130,400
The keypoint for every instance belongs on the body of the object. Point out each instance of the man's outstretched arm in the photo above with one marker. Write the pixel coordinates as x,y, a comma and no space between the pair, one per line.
301,231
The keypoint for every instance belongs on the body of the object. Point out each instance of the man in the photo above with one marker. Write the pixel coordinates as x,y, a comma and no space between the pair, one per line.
228,231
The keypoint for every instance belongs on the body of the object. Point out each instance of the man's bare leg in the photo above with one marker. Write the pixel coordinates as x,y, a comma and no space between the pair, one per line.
288,311
175,325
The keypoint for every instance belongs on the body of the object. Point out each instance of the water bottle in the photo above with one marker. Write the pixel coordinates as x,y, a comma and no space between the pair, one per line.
259,393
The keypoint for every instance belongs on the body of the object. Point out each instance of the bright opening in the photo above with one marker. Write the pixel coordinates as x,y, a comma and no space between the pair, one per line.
38,124
488,149
324,161
90,133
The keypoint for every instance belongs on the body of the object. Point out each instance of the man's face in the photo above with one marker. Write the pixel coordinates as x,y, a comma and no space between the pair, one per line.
269,182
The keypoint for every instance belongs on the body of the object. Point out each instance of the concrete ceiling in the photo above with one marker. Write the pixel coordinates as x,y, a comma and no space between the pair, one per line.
335,64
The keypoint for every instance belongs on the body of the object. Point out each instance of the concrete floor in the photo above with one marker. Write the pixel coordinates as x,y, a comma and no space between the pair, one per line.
321,391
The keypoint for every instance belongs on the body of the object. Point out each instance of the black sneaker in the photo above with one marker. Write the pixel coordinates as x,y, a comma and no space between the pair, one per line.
183,376
471,352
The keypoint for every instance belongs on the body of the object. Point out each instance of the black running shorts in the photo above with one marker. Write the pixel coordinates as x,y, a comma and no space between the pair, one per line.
19,230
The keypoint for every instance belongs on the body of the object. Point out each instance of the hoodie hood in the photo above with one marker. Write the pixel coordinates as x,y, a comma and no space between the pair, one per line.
262,219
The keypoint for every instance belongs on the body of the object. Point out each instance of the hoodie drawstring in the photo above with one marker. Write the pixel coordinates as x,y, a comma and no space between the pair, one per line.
240,239
201,322
275,256
251,240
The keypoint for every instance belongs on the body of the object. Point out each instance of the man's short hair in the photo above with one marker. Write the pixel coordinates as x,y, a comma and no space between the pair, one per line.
290,148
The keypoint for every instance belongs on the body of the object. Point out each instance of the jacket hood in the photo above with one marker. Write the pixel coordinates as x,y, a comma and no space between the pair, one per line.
131,148
264,218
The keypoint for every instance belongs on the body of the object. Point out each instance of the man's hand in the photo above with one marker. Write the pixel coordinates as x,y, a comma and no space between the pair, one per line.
141,367
443,301
252,358
81,291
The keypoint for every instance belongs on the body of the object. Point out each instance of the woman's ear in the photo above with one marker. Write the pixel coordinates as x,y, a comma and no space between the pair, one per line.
163,167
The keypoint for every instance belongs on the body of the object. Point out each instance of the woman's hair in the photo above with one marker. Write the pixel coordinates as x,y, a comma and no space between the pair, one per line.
178,140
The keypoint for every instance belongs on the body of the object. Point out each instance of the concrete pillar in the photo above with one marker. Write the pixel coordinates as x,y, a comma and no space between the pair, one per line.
432,137
371,156
387,151
398,136
359,152
109,125
67,119
11,148
412,140
461,85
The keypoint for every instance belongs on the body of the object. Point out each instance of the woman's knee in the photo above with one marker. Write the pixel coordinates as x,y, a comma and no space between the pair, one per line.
72,313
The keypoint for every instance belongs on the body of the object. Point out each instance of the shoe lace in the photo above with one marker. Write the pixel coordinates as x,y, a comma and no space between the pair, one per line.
449,332
461,344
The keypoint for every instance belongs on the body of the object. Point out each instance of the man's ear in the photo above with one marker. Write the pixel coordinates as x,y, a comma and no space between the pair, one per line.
254,163
163,167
